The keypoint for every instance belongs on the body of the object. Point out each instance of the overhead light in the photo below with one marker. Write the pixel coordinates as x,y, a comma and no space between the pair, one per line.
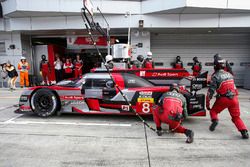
37,42
209,31
127,14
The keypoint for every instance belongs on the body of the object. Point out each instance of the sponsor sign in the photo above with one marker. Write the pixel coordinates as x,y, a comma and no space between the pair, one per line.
72,97
145,99
125,107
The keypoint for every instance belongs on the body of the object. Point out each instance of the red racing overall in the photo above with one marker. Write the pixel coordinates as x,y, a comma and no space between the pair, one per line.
227,97
78,68
44,68
173,104
178,65
68,68
196,69
148,65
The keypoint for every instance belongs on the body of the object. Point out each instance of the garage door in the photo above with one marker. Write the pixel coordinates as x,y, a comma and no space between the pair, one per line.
233,47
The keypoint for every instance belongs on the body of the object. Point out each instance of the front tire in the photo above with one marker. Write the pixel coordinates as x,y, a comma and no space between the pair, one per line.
44,102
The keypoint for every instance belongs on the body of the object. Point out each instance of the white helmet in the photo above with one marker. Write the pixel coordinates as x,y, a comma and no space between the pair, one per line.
23,58
108,58
149,54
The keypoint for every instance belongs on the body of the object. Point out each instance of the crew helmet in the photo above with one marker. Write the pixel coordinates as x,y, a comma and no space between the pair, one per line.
23,58
219,63
195,59
43,57
140,58
109,58
149,54
174,86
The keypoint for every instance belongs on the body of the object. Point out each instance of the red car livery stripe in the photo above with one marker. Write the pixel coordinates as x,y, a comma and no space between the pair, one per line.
119,80
200,113
151,89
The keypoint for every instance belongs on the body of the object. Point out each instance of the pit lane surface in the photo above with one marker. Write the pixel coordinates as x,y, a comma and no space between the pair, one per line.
89,140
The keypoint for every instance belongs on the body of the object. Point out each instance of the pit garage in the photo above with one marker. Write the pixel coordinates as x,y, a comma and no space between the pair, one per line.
234,47
68,46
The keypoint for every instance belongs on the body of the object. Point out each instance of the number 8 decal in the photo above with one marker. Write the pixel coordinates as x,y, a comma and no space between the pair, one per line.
145,107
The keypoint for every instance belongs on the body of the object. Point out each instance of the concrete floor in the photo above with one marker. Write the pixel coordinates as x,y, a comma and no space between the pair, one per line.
89,140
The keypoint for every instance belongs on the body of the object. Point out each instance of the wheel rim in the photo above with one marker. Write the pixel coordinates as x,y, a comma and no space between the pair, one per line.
44,103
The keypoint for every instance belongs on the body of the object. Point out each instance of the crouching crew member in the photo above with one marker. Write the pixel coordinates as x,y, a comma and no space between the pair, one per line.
171,110
148,62
178,63
78,66
67,66
227,97
45,70
196,67
23,67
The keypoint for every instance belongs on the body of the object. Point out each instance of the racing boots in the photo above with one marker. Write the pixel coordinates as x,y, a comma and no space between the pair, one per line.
244,134
213,125
190,136
159,131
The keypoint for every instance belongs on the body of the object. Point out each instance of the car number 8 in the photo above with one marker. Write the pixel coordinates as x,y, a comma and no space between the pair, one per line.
145,107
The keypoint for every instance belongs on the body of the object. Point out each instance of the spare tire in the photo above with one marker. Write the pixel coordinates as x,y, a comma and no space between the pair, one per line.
44,102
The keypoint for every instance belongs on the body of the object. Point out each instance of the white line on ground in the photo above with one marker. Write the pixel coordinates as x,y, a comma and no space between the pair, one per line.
6,107
62,123
12,119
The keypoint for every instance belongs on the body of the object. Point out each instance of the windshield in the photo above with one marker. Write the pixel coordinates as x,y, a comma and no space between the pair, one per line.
71,83
133,81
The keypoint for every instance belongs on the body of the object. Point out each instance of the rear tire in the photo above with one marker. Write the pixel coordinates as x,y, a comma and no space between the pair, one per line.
44,103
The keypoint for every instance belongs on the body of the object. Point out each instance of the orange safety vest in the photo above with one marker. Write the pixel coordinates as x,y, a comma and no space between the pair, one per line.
23,67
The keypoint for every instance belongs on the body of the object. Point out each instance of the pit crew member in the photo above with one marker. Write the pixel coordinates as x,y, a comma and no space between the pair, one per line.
172,106
78,64
178,63
196,67
45,70
227,97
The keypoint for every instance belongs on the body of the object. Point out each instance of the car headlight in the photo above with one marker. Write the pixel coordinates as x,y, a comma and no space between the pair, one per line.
24,98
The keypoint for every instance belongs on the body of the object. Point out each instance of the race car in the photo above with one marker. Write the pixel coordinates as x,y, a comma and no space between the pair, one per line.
95,93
